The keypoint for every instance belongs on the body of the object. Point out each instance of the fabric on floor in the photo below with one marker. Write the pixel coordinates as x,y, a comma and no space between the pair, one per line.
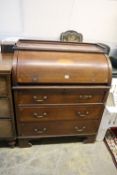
111,142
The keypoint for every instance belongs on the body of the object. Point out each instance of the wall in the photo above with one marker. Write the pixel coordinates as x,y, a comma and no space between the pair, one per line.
46,19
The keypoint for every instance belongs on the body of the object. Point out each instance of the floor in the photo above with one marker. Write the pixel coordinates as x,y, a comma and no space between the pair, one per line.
57,159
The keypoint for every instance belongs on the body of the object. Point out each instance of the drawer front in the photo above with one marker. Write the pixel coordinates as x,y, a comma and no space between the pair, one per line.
5,111
63,112
3,86
58,128
60,96
5,128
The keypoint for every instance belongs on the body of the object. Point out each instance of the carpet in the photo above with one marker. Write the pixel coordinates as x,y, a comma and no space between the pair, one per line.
111,143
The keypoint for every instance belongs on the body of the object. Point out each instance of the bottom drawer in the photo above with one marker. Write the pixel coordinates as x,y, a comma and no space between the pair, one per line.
6,128
58,128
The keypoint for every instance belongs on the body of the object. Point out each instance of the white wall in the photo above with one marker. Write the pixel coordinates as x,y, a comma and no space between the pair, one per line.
46,19
10,17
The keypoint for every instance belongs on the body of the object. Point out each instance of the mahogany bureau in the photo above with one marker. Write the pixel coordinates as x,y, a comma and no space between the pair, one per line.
7,124
60,89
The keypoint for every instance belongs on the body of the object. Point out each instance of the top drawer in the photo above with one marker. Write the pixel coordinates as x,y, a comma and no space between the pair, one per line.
60,96
3,86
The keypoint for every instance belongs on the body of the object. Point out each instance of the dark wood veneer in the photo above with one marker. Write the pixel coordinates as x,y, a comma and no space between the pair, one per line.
60,89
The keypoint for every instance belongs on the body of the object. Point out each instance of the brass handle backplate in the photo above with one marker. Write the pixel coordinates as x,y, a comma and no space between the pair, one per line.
84,97
83,114
80,129
36,99
36,115
40,131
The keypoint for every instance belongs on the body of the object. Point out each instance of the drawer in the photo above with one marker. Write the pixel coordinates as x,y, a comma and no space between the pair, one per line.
55,128
52,96
62,112
3,86
5,128
5,110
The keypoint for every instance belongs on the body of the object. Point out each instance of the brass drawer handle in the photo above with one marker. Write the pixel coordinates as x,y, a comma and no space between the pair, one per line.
35,98
84,97
80,129
83,114
40,131
36,115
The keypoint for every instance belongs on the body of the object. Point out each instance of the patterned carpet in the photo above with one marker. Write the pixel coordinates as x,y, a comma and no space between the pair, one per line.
111,142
